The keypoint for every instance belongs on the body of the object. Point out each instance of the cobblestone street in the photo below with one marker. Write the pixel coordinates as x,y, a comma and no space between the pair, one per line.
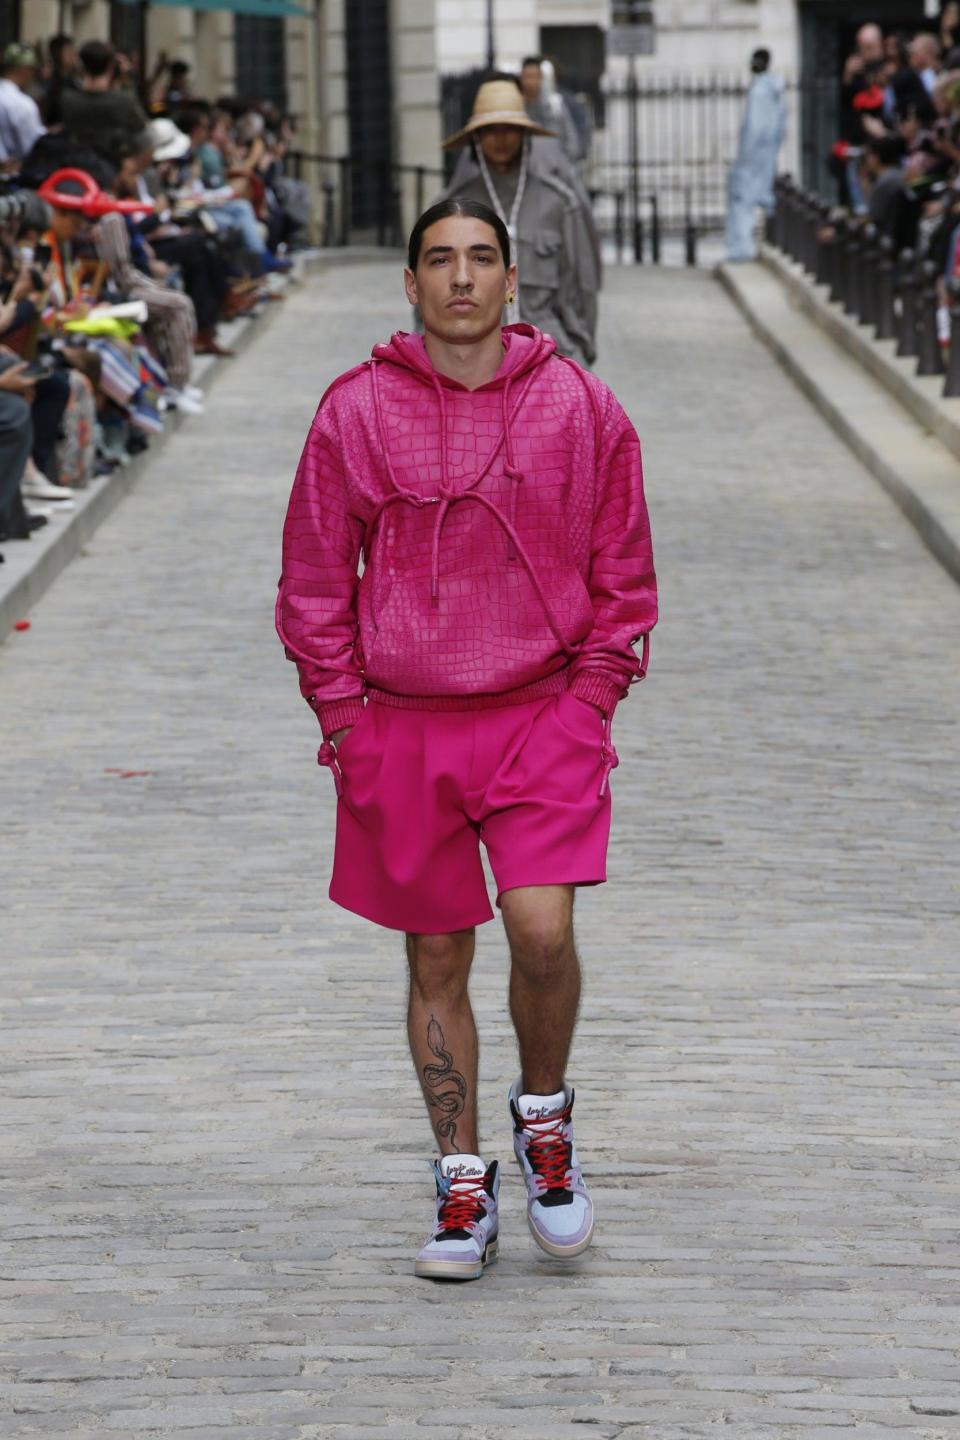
214,1151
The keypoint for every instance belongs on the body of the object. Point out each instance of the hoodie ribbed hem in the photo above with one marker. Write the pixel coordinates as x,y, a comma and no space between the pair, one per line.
337,714
598,689
537,690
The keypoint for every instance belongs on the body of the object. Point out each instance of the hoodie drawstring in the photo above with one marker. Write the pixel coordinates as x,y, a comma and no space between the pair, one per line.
327,755
608,754
446,496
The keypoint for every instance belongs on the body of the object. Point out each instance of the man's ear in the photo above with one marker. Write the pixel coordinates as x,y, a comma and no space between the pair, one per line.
511,279
410,285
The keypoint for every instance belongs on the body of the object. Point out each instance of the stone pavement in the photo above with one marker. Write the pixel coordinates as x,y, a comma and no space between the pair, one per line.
213,1150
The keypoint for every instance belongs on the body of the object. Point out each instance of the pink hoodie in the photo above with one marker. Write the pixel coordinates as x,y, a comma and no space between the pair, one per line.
504,533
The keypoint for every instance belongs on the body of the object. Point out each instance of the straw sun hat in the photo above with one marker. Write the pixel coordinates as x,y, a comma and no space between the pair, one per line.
498,102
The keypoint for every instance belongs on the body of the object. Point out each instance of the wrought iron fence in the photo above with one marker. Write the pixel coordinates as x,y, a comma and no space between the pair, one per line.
661,153
893,294
391,192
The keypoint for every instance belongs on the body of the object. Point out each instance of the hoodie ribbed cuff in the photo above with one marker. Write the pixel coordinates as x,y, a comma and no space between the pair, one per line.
598,690
337,714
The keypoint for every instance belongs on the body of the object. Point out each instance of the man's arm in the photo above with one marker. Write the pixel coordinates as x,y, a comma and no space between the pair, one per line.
316,605
622,582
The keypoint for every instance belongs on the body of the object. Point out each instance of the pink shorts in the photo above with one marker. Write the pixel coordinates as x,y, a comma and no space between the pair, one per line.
419,790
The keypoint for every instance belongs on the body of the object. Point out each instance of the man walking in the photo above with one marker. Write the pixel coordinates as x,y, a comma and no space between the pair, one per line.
549,227
466,685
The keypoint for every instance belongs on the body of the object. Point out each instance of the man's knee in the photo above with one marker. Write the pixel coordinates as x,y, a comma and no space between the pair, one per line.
440,964
541,940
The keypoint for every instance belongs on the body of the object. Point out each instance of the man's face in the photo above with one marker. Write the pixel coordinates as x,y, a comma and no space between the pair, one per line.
530,82
68,224
870,43
501,145
460,282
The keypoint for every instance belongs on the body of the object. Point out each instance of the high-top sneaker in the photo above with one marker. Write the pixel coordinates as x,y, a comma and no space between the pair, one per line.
559,1209
464,1236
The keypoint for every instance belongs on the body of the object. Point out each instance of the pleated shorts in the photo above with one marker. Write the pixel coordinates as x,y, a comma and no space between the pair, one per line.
422,790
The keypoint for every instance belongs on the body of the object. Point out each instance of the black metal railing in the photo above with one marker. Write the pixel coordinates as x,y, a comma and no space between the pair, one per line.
389,184
893,295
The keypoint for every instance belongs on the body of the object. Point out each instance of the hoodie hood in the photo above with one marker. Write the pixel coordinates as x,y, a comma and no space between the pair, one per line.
524,348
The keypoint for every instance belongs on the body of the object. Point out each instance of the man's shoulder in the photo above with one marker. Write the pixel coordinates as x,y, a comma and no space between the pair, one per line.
562,370
347,391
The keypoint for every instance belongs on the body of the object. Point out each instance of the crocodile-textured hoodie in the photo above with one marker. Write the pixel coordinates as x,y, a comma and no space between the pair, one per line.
504,534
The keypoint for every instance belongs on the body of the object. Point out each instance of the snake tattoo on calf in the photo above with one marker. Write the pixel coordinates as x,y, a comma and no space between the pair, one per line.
444,1087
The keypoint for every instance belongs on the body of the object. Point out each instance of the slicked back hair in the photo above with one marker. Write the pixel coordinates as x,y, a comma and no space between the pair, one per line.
445,208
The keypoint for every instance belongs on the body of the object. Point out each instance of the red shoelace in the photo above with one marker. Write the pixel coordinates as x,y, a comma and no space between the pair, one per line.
549,1154
463,1205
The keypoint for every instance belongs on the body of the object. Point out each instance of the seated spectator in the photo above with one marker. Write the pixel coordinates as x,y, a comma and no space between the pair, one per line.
16,437
62,75
20,123
216,196
171,318
100,115
160,243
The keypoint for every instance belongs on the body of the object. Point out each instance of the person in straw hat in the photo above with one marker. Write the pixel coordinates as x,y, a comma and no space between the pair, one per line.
548,225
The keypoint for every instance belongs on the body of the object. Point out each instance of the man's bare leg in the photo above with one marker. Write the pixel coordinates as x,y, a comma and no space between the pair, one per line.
443,1035
544,981
544,994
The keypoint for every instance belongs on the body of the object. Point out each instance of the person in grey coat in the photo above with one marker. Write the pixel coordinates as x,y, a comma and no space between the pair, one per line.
754,170
550,233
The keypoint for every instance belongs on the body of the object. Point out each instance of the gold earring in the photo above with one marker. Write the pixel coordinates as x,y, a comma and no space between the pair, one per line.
510,298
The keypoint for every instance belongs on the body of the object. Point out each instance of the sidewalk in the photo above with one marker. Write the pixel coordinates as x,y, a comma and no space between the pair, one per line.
215,1153
898,424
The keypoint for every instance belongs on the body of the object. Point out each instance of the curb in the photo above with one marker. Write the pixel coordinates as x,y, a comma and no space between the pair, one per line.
25,578
920,394
913,463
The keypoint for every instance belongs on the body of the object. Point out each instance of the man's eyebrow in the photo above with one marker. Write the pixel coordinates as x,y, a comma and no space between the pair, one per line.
448,249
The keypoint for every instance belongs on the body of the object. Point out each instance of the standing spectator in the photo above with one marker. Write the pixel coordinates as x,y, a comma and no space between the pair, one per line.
548,230
923,53
754,170
170,87
99,115
948,27
894,208
63,76
860,74
20,123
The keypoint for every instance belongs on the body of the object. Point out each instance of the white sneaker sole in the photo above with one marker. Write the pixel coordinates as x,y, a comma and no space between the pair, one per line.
457,1269
559,1252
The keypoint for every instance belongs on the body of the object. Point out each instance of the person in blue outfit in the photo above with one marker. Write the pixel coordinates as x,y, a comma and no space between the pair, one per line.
753,172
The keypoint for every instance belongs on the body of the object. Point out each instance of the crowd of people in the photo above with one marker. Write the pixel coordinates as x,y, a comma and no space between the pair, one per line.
135,216
898,160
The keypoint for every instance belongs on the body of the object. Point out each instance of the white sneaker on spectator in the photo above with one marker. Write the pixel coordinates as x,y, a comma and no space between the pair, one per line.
44,511
193,392
180,400
36,486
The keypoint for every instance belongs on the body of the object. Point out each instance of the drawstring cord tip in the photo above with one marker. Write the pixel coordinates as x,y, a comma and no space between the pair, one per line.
327,755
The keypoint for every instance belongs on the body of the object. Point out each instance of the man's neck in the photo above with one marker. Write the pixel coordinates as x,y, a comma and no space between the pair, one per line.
472,365
94,83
